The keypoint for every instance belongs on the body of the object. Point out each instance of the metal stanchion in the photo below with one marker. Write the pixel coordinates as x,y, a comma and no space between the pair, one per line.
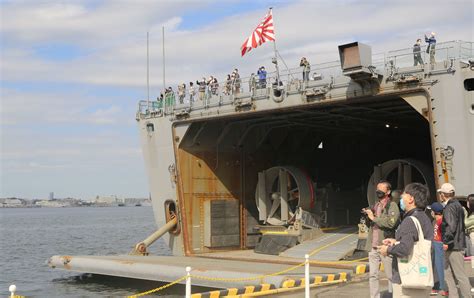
306,276
188,282
12,290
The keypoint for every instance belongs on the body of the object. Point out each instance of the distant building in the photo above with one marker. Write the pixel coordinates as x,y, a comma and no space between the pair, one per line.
106,201
52,204
12,203
51,196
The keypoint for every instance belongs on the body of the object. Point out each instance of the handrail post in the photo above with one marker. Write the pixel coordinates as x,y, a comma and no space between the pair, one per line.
306,276
12,290
188,282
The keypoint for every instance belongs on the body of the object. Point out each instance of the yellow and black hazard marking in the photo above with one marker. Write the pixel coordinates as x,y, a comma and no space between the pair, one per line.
318,279
364,268
234,291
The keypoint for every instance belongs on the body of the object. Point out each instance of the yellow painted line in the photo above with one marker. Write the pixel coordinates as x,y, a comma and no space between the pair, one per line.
275,233
331,277
215,294
327,245
196,295
343,276
331,229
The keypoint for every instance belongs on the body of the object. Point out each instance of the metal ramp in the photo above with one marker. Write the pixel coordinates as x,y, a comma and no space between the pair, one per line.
333,246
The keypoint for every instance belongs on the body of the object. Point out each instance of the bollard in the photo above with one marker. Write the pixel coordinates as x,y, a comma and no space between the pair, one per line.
306,276
12,290
188,282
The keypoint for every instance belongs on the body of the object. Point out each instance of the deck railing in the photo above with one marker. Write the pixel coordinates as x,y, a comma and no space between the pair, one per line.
291,80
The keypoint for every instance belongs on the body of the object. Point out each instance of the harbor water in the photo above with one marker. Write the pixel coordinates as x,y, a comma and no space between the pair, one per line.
29,236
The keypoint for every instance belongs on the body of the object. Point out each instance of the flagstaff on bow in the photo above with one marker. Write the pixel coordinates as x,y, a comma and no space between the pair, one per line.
263,33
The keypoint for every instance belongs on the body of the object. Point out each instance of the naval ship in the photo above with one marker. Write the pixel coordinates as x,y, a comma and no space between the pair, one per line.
245,183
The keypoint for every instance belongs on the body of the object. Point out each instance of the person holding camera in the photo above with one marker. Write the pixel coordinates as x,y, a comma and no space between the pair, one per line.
306,68
384,218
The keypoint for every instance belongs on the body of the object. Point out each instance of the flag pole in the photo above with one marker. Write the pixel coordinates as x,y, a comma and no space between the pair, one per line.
148,70
275,59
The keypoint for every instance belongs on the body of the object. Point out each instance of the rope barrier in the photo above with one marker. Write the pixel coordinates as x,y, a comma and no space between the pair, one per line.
158,289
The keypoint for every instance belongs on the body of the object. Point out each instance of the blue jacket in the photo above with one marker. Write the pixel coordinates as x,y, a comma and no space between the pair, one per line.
262,74
431,40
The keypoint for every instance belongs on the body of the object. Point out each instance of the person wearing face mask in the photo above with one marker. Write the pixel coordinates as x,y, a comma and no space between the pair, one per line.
454,242
413,202
384,219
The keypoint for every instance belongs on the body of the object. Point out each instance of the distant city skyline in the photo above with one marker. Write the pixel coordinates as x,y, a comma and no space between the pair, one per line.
72,72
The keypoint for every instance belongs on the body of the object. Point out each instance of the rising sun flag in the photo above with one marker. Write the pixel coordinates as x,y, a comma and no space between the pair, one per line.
264,32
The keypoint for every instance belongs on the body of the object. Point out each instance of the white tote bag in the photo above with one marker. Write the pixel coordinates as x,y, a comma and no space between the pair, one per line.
416,271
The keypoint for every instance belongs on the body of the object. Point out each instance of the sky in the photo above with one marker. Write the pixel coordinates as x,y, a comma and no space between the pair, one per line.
72,72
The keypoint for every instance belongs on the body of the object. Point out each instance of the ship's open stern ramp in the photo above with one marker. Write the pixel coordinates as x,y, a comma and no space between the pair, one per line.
216,272
227,269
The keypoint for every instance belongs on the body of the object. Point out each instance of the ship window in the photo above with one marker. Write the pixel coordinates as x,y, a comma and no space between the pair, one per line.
150,127
469,84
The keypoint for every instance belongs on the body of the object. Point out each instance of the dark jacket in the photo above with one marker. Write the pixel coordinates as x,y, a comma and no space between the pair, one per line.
452,227
417,49
387,222
406,236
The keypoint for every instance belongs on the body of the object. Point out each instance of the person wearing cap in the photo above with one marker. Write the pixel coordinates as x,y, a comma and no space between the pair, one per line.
440,285
454,242
384,219
431,41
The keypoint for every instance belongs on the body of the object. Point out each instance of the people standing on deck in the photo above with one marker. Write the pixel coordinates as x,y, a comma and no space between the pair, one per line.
384,218
159,99
181,92
417,53
454,242
437,214
192,93
227,85
306,68
169,99
252,82
262,77
431,49
413,202
236,81
202,88
214,86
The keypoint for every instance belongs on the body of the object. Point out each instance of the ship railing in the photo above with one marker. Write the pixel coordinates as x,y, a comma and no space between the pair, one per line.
291,80
444,51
